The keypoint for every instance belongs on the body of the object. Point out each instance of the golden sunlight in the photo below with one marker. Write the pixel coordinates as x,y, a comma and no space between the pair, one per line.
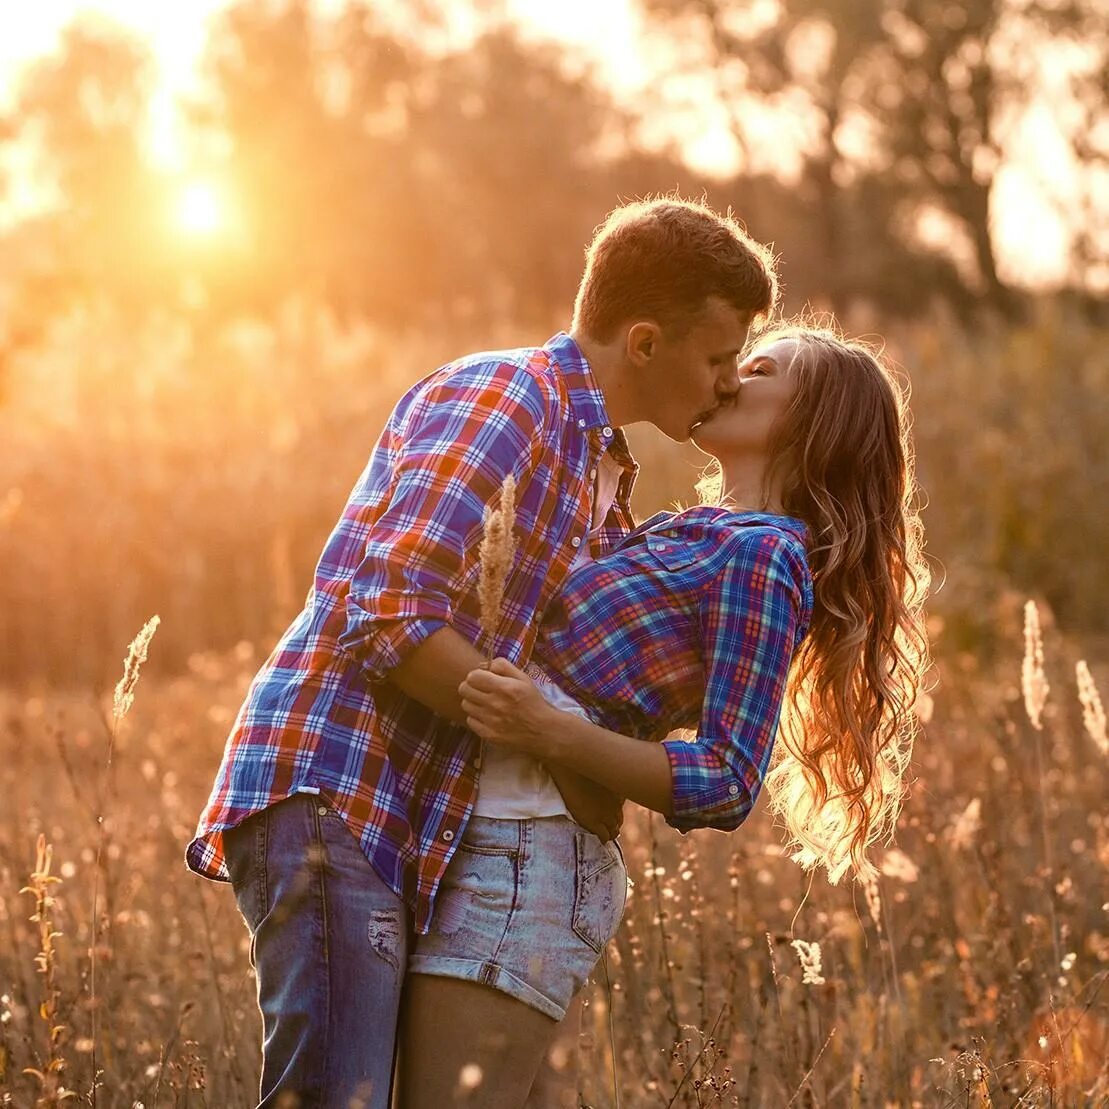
201,208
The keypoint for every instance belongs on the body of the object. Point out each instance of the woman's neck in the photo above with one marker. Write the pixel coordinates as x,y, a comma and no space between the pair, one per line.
744,487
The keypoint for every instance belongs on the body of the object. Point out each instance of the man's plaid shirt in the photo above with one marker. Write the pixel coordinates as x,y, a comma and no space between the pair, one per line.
402,562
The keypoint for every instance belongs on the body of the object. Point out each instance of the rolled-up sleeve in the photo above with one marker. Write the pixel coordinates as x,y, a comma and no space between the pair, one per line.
751,620
456,444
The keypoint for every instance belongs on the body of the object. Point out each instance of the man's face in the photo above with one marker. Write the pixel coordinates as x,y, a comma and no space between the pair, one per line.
686,379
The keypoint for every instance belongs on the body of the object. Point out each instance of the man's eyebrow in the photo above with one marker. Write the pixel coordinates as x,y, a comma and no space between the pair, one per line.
728,354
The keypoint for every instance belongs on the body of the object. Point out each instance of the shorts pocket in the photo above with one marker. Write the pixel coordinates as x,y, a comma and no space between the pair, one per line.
600,890
490,836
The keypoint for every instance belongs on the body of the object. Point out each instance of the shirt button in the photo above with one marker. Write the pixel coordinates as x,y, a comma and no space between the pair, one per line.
606,432
477,763
593,474
733,789
576,541
448,835
581,423
322,810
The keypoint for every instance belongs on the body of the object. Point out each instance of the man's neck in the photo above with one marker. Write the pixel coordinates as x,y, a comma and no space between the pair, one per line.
607,365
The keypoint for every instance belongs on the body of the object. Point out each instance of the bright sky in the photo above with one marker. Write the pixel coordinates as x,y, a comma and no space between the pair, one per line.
604,32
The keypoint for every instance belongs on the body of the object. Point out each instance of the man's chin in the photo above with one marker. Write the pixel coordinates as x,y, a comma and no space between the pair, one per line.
697,428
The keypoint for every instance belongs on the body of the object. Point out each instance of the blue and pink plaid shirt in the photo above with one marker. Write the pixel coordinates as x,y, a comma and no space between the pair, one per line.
691,623
321,716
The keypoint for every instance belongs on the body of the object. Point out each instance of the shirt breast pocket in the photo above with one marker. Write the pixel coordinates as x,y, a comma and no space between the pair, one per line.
671,550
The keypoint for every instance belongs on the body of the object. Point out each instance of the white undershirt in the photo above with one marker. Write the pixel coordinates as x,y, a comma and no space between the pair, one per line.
515,786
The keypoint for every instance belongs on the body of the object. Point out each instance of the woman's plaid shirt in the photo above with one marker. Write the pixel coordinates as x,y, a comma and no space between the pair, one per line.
402,562
691,624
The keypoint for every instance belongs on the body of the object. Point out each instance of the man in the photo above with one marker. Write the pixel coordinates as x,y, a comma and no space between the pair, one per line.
349,774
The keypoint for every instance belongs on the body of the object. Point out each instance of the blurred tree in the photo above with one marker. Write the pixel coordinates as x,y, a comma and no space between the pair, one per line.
409,187
313,114
515,163
914,103
97,232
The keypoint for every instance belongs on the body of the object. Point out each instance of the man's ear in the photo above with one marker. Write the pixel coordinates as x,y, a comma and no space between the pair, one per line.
642,342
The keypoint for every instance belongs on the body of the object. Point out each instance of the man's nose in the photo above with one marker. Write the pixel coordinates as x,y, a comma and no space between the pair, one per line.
727,385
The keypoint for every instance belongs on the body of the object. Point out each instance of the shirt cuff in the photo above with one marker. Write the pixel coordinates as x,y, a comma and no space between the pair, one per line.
380,642
707,793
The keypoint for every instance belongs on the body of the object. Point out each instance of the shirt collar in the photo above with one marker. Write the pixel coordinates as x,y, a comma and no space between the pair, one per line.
587,402
790,524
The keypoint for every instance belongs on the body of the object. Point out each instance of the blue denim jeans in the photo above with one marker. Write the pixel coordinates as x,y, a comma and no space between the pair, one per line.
328,942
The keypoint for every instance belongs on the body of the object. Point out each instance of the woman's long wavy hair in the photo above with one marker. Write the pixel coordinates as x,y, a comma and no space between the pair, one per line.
841,455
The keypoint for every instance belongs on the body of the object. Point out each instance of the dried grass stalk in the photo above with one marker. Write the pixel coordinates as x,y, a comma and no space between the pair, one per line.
136,655
1093,713
498,548
1033,681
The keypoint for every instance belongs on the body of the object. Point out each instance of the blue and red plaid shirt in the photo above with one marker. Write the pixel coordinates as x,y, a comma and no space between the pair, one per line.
402,562
691,623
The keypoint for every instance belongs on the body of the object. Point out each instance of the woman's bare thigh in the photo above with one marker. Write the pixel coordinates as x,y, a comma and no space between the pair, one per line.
466,1044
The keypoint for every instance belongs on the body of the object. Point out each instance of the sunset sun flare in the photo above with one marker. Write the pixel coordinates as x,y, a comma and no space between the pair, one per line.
201,209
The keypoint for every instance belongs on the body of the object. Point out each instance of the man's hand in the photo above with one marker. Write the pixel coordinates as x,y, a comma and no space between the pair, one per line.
593,806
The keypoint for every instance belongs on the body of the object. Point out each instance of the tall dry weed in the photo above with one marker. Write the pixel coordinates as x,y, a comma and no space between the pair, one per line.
498,547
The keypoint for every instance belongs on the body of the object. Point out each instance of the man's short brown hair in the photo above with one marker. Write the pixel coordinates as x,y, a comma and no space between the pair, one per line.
661,259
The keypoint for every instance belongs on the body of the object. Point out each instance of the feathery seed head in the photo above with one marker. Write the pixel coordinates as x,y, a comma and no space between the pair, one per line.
965,826
809,956
1033,681
1093,713
136,655
498,547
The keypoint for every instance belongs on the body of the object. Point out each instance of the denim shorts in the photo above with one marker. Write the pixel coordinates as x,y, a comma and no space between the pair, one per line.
526,907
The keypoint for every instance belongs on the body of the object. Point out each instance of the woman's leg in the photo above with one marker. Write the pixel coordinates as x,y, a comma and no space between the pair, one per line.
522,915
462,1043
556,1081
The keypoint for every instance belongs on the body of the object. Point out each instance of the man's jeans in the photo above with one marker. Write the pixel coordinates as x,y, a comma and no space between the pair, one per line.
329,945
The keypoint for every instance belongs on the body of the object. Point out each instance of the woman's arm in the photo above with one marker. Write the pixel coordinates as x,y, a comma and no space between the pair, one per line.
503,705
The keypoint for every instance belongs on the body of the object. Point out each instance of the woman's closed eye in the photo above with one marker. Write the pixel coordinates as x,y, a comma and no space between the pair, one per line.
759,367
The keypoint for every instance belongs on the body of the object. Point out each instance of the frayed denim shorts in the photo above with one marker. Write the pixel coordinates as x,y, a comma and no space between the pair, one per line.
526,907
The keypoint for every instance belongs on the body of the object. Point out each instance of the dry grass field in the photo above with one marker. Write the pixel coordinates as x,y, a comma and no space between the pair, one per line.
973,973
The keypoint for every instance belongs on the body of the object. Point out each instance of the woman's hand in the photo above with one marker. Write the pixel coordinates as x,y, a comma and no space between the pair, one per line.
503,705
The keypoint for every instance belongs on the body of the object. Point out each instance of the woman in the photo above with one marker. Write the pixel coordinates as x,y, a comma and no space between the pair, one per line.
797,596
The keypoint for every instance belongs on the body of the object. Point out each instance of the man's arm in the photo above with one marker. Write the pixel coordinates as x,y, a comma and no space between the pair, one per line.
459,441
432,672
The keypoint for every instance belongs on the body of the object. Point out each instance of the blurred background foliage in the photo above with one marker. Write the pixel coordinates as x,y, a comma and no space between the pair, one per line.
190,381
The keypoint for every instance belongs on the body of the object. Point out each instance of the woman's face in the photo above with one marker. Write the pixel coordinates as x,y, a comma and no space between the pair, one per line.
741,426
